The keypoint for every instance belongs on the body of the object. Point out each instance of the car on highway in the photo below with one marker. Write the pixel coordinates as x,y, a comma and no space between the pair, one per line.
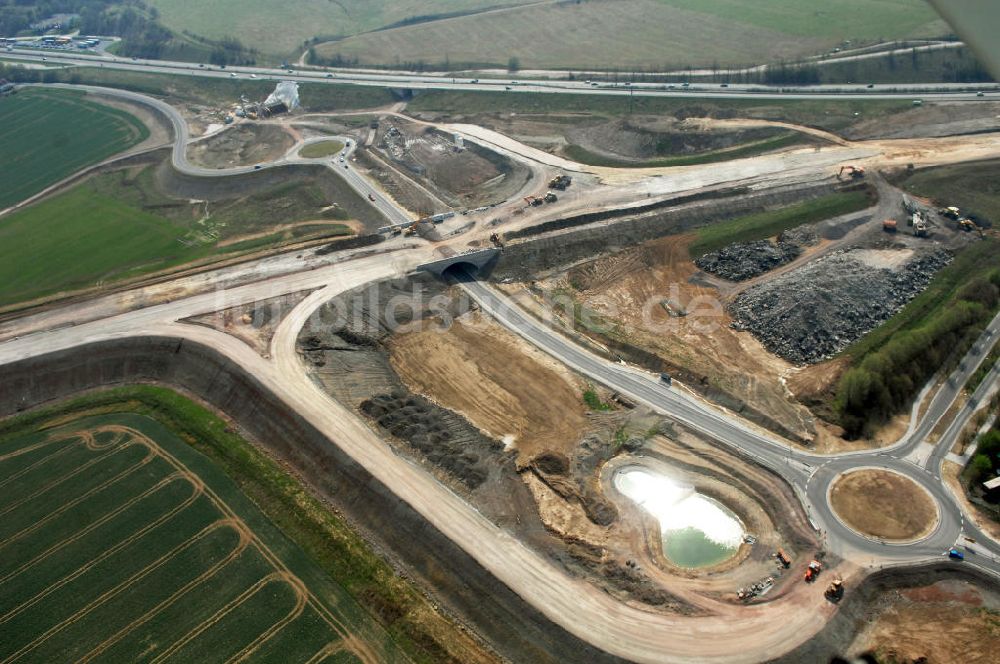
506,87
342,160
256,167
329,75
870,86
253,75
232,75
980,94
371,197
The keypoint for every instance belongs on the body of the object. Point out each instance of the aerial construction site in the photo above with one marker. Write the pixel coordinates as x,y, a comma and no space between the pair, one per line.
390,364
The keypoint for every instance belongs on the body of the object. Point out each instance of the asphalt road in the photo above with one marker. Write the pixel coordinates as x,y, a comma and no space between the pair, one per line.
361,185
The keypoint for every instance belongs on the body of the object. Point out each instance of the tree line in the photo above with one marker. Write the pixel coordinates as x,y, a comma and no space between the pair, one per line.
887,380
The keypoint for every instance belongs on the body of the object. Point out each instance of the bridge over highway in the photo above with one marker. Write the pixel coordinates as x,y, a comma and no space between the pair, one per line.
473,261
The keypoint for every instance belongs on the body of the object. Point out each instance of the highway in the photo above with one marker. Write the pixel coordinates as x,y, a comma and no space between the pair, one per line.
937,91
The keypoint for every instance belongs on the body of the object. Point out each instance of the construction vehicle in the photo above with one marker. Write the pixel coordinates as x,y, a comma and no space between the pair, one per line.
920,226
533,201
560,182
855,172
815,567
889,225
967,225
835,591
783,558
550,197
497,242
950,212
411,229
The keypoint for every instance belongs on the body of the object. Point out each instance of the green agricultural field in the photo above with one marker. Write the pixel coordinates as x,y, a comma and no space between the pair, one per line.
281,28
641,34
120,542
47,135
119,225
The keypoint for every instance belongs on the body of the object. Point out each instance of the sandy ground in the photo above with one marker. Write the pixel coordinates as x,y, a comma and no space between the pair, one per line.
883,504
244,144
949,622
621,286
482,371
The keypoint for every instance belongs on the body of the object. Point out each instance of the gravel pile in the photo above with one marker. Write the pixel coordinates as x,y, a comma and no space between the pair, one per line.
814,312
744,260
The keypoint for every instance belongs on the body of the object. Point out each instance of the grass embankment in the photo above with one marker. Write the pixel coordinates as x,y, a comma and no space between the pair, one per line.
209,90
321,149
47,135
830,114
119,225
892,363
768,224
786,139
974,187
412,622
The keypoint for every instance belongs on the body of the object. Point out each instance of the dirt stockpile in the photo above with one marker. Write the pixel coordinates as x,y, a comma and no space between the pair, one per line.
446,439
815,311
744,260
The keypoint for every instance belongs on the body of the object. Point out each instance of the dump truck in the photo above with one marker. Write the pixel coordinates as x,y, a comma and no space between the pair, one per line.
920,226
533,201
815,567
835,591
889,225
854,172
783,558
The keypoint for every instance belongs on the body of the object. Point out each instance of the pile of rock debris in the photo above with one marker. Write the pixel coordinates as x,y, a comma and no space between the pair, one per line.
814,312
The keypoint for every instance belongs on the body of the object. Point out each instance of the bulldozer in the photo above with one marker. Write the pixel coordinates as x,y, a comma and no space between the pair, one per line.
550,197
854,172
835,591
950,213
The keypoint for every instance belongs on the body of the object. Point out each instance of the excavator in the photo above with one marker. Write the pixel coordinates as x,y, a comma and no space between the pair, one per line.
855,172
497,242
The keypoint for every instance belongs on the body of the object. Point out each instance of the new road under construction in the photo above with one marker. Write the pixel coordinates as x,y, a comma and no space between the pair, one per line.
590,411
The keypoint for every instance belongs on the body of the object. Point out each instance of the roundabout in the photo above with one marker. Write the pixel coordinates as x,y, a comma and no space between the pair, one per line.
883,505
